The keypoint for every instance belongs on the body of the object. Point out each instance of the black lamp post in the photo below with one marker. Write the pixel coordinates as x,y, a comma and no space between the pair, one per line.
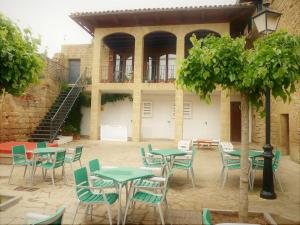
266,22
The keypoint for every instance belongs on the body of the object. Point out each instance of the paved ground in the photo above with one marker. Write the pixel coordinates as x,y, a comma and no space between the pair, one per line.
186,202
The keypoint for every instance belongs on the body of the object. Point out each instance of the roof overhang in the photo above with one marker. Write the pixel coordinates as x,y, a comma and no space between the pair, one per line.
163,16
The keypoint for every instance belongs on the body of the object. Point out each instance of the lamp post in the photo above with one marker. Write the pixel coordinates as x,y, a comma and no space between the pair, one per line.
266,22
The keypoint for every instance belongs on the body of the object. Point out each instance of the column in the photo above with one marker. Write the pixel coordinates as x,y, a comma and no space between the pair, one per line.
96,62
95,113
138,58
225,115
179,92
136,115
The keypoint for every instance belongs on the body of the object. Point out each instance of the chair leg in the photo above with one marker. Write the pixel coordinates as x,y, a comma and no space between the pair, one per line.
25,171
253,178
222,173
192,176
80,163
52,177
76,212
277,177
45,174
64,174
225,177
91,211
12,169
126,211
161,214
168,212
109,214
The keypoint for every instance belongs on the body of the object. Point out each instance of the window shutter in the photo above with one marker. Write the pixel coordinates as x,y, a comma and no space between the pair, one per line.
147,110
187,110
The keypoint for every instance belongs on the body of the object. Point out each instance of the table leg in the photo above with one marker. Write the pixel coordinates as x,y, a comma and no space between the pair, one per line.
120,204
32,169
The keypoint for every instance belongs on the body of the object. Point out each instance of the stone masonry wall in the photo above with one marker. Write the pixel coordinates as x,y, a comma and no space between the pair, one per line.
82,52
21,115
289,21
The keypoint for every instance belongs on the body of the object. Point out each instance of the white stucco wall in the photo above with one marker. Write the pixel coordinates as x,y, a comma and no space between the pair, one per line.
161,124
205,122
117,113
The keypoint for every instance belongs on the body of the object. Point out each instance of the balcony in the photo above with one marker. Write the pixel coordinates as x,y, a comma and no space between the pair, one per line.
117,72
155,73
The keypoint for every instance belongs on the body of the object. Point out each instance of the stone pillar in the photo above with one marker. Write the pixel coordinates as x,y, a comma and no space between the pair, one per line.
138,58
136,115
96,62
225,115
95,114
179,92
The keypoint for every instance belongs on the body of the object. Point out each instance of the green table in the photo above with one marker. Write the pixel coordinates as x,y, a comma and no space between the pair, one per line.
252,153
37,151
169,153
122,175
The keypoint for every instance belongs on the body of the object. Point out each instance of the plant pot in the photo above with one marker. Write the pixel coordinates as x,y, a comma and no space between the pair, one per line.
76,136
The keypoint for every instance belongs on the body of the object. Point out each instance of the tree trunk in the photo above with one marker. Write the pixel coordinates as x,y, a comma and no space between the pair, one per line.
243,202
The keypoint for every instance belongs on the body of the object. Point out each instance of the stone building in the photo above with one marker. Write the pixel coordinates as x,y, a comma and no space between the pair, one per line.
137,51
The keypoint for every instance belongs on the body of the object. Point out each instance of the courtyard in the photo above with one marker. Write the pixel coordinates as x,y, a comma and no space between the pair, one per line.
185,202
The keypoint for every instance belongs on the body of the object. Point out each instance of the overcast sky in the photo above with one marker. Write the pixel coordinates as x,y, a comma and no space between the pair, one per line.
50,19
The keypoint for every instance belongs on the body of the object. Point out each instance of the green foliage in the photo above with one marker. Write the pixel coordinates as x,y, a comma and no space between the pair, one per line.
20,64
212,61
74,119
273,63
106,98
69,130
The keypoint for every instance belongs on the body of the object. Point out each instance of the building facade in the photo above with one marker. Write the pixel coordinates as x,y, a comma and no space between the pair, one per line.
137,52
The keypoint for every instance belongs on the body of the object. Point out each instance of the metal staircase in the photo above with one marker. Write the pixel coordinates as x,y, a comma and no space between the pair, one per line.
50,125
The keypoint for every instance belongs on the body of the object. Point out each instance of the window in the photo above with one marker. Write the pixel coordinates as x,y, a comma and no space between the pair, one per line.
187,110
147,110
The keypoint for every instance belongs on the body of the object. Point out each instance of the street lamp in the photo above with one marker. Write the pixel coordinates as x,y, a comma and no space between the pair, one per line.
266,22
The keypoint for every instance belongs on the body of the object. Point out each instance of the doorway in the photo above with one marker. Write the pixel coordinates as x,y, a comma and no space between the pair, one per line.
284,134
235,121
74,70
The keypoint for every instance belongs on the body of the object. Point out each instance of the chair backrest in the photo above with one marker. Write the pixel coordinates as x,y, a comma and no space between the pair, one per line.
206,217
42,144
277,157
143,154
59,159
150,149
184,145
77,153
18,154
55,219
81,179
225,146
94,165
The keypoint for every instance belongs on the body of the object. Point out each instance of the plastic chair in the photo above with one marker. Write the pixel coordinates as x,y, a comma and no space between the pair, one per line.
37,219
186,164
19,158
150,197
76,156
184,145
58,161
43,144
86,196
206,217
259,165
94,166
148,163
153,158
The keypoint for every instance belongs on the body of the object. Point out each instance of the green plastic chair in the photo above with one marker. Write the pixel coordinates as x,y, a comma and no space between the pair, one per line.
149,197
94,166
19,158
259,165
186,164
148,163
206,217
75,157
153,158
58,161
86,196
39,219
43,144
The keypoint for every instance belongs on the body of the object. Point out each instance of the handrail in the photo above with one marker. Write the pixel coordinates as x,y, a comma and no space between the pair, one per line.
52,131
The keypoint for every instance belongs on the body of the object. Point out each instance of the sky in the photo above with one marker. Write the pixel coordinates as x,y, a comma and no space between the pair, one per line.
50,19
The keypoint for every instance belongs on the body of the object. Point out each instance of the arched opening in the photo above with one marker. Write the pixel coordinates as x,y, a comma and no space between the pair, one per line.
199,34
118,55
159,57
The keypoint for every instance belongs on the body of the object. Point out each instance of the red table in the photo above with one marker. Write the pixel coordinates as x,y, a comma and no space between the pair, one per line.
6,147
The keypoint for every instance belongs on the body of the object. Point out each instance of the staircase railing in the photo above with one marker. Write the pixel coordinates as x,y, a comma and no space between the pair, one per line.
65,107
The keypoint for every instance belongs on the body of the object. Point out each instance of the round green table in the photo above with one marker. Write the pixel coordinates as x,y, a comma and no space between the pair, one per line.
122,175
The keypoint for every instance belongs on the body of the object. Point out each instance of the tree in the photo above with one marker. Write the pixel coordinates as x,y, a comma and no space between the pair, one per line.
20,62
224,61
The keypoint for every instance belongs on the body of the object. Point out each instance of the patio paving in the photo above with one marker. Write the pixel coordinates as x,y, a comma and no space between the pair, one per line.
185,202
